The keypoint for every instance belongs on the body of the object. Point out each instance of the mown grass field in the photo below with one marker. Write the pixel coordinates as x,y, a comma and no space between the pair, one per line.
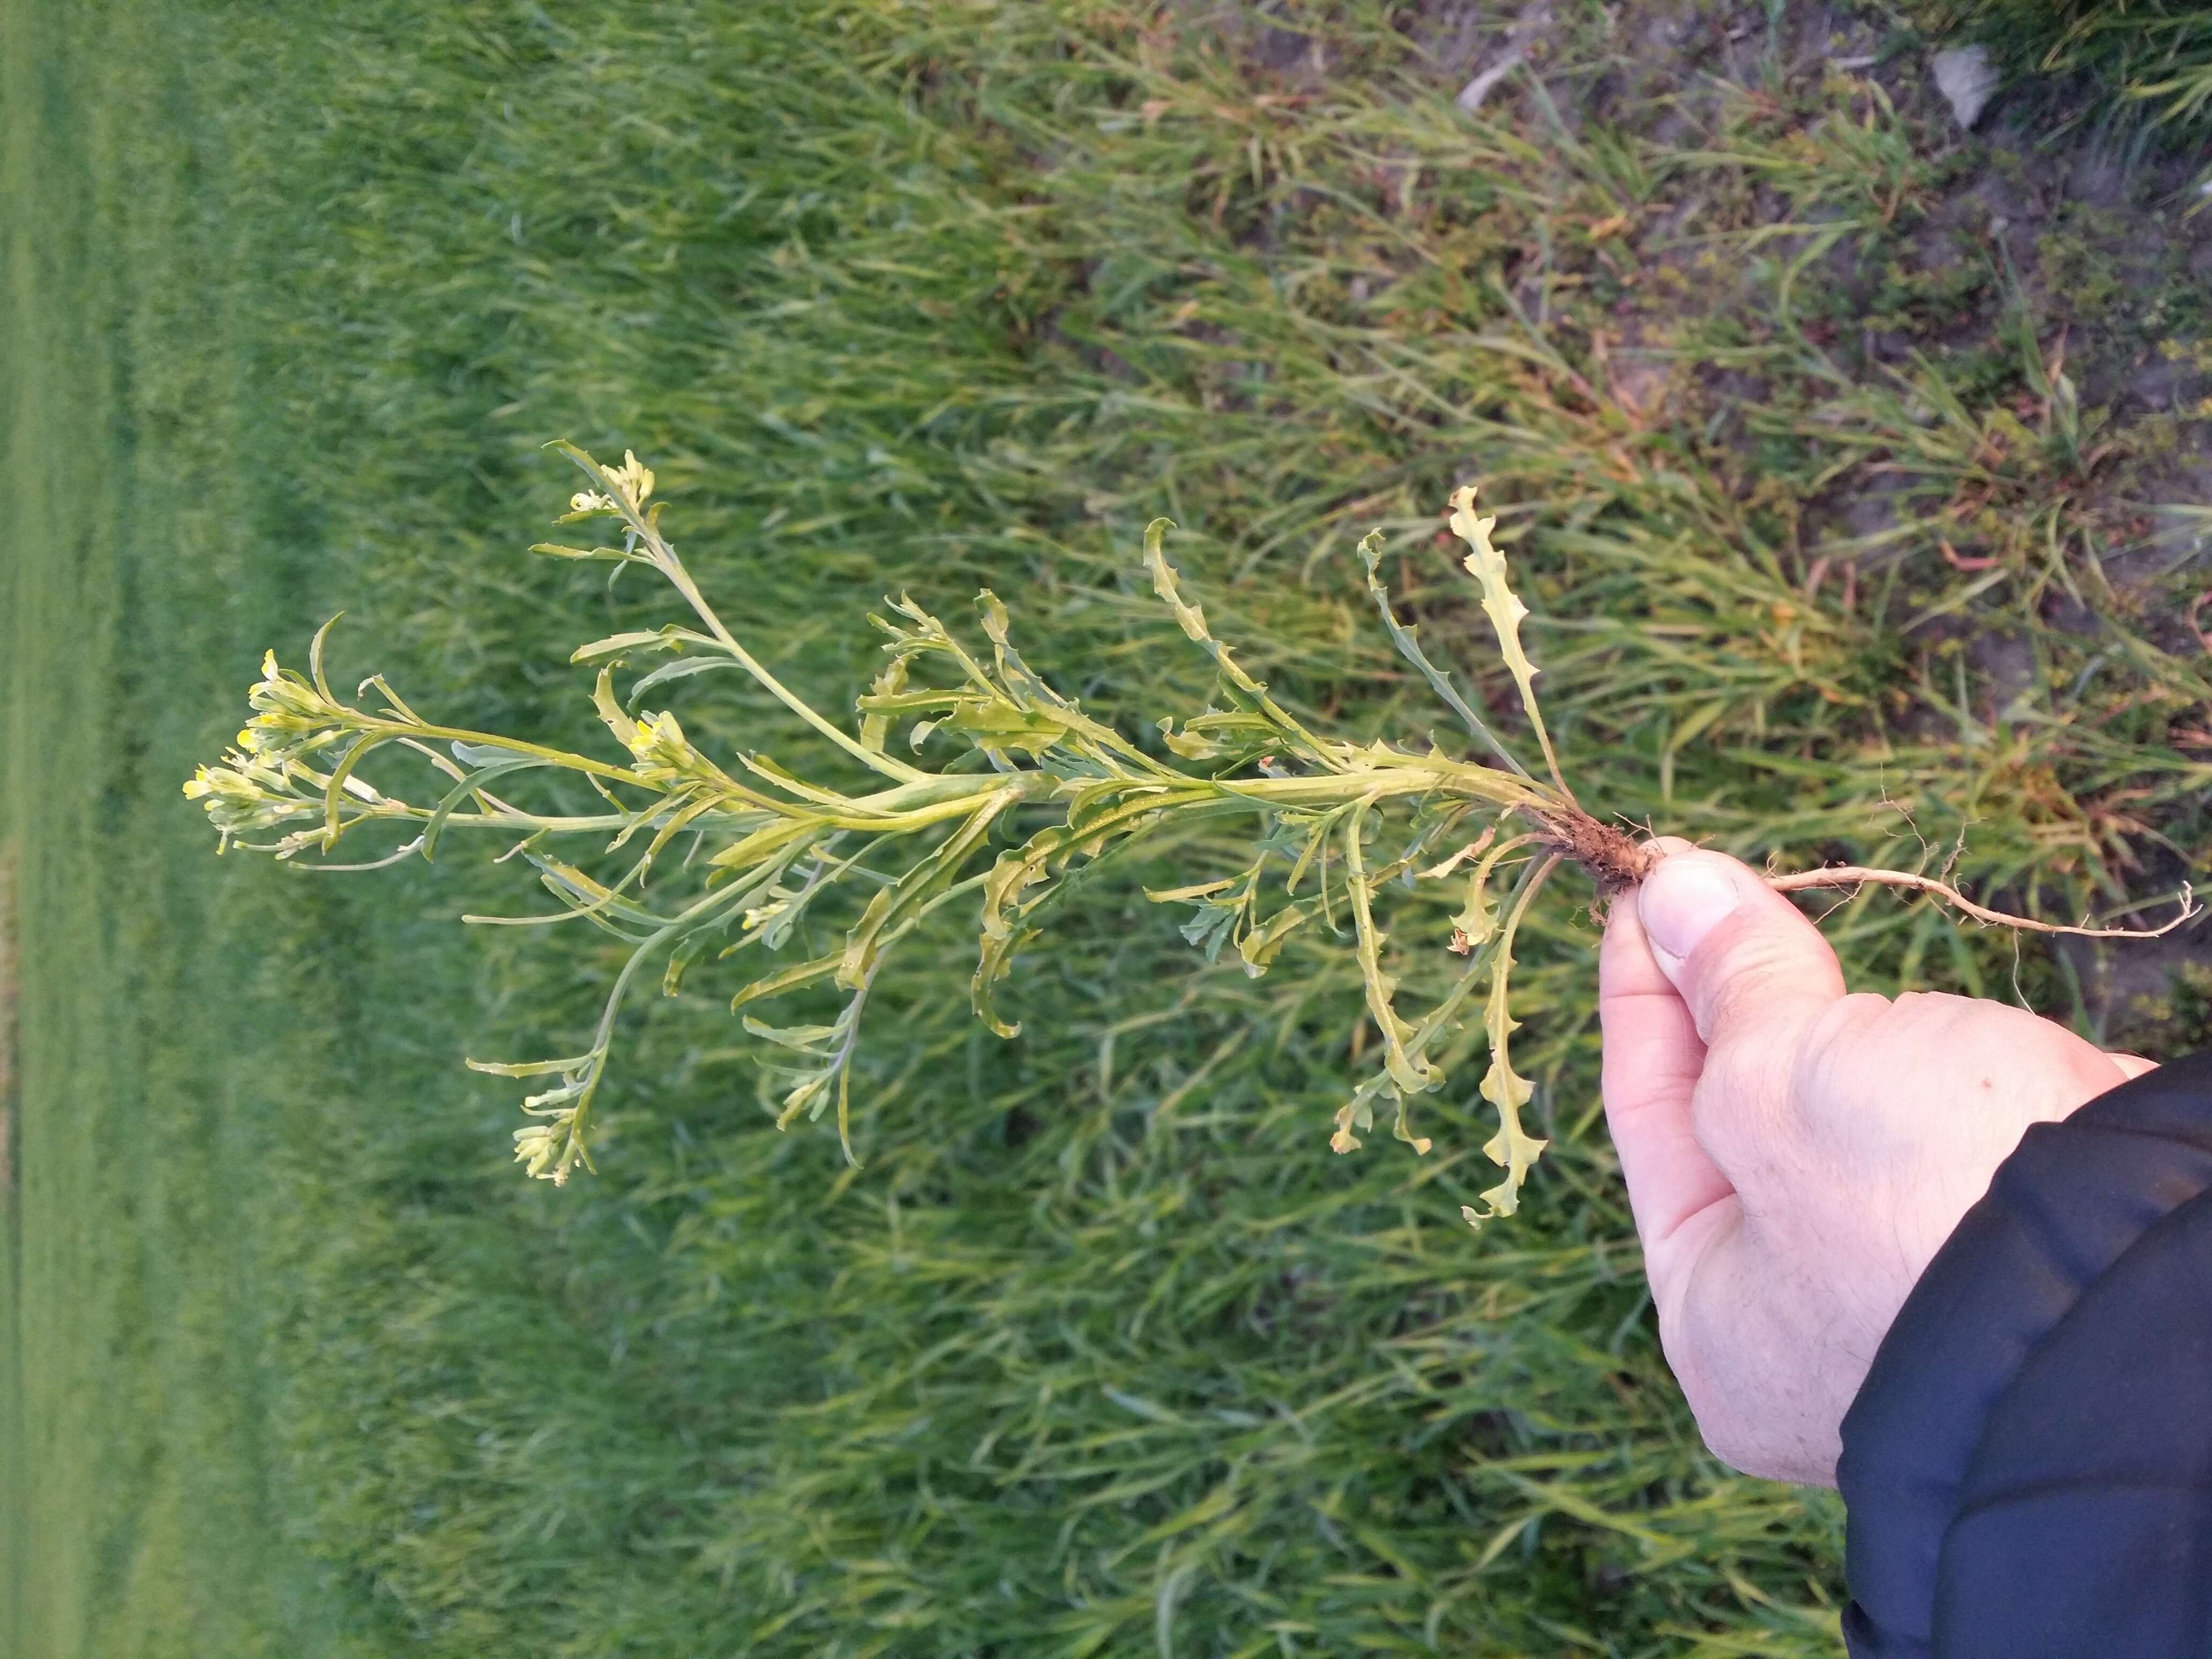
1855,471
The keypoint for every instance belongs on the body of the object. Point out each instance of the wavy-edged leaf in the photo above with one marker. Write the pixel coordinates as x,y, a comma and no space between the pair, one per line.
557,550
624,728
668,638
1410,1073
1476,924
1197,889
1003,728
876,722
1512,1146
1358,1113
1002,934
1259,947
1192,620
1486,562
1233,735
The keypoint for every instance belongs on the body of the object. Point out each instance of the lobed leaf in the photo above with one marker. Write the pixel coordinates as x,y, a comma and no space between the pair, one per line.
1486,562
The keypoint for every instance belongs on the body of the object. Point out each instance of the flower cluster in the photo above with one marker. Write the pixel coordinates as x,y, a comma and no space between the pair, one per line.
291,717
244,794
664,756
538,1149
264,781
660,747
633,482
550,1147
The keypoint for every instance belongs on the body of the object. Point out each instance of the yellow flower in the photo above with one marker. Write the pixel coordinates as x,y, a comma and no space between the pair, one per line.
535,1147
633,479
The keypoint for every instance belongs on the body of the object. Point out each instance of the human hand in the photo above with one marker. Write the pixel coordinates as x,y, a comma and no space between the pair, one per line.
1795,1155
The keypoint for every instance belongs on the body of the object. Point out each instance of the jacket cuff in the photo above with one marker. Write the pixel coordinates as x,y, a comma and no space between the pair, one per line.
2017,1425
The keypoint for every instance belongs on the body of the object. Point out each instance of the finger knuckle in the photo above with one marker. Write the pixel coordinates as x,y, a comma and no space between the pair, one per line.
1743,1084
1838,1046
1932,1011
1849,1025
1744,992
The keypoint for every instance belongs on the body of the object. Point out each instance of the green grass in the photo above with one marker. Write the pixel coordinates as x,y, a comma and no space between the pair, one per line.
1102,1352
2140,71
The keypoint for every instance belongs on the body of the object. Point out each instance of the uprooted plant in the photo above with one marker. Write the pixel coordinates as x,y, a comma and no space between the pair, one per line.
766,849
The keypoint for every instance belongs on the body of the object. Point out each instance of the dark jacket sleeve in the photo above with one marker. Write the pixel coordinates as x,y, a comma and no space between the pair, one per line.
2027,1468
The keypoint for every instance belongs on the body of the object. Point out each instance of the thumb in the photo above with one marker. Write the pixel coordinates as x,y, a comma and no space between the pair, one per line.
1745,959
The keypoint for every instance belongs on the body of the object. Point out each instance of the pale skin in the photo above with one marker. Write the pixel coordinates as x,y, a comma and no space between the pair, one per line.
1796,1154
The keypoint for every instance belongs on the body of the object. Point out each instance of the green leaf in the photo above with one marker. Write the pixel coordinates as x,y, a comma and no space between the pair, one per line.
1406,638
1235,736
603,699
1512,1146
677,671
1002,935
790,979
1002,727
1259,947
875,726
924,881
1358,1113
1477,923
806,1039
1211,928
1486,564
1192,620
1410,1073
1183,895
656,638
556,550
531,1068
693,946
467,786
315,659
334,792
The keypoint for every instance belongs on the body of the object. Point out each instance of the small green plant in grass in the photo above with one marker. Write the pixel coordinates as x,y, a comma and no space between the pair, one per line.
699,857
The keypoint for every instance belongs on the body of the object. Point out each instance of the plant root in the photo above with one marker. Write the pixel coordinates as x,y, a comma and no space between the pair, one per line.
1612,858
1855,875
1617,863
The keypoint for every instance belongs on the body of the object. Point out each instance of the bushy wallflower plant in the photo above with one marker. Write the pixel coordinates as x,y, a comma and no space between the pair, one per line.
763,846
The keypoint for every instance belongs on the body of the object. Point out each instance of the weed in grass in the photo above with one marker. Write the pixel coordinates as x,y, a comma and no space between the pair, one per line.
779,849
